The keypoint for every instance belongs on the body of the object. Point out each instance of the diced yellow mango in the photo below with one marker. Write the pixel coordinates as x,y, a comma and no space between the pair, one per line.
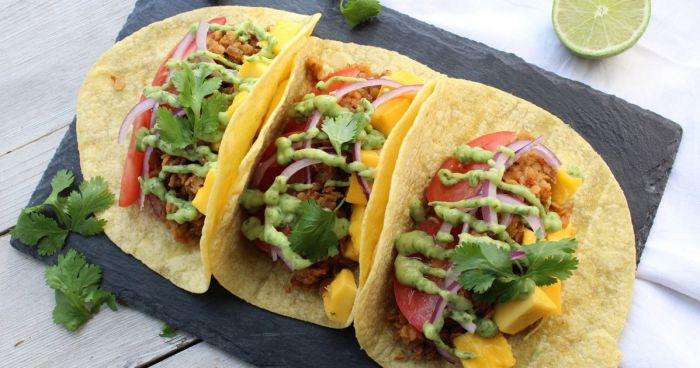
389,113
515,316
276,98
252,69
565,186
529,237
370,158
283,31
340,296
202,197
355,194
554,293
236,103
568,232
491,352
405,77
352,247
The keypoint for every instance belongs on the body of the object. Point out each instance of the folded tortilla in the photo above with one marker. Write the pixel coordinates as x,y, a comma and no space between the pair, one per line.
237,263
101,109
595,299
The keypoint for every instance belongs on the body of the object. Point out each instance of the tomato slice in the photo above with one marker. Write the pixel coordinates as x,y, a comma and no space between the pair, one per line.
352,71
430,226
415,305
130,189
438,192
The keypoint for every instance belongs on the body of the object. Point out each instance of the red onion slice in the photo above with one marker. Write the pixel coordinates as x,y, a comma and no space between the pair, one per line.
152,123
403,90
278,252
517,254
446,227
447,355
549,157
262,168
506,219
533,220
364,84
298,165
179,52
131,117
312,123
469,327
273,254
363,182
487,212
144,173
201,37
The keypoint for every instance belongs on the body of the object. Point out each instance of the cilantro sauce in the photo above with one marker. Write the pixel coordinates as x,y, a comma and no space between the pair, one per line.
194,133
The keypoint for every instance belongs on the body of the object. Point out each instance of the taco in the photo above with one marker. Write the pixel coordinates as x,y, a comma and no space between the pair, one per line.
325,158
216,82
496,252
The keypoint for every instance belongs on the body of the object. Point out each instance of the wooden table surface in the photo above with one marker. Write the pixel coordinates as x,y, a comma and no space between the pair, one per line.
39,86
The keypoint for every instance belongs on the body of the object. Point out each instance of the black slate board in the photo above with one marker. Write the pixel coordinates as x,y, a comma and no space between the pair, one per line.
639,145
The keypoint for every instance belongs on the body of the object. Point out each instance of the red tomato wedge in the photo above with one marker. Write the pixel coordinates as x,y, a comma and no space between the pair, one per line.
130,189
438,192
352,71
416,306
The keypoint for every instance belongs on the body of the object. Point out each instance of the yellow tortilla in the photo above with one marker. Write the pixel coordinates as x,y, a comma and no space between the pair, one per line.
101,108
237,263
595,299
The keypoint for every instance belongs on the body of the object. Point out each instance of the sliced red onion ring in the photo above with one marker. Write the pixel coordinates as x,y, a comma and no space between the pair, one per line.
449,357
262,168
131,117
152,123
201,37
363,182
506,219
488,213
517,254
525,149
273,254
298,165
279,254
364,84
469,326
312,123
549,157
439,310
144,173
403,90
179,52
446,227
532,220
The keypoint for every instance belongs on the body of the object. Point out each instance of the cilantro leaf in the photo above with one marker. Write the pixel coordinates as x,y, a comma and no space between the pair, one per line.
167,331
494,277
342,129
174,130
194,86
207,128
313,235
77,287
60,182
93,197
34,228
358,11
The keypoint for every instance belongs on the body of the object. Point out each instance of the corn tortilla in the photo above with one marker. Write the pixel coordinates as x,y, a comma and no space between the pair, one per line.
595,299
238,264
101,108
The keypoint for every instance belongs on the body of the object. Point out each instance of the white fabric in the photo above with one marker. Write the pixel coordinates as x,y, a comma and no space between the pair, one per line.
660,73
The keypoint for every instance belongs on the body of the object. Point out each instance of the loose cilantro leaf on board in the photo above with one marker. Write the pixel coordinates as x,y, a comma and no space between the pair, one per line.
78,292
74,213
342,129
34,228
358,11
167,331
208,128
313,235
174,130
494,277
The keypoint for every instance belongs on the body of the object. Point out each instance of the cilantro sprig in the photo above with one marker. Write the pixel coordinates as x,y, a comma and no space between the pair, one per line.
495,277
167,331
343,129
74,213
313,235
358,11
77,290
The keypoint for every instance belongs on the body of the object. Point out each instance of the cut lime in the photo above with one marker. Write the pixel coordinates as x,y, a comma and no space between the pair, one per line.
600,28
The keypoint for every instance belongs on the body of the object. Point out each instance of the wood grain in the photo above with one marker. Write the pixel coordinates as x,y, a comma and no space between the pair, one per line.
201,355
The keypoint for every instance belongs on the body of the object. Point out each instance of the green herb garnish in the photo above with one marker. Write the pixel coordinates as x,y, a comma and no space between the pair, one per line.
358,11
313,235
74,213
494,277
78,292
167,331
342,129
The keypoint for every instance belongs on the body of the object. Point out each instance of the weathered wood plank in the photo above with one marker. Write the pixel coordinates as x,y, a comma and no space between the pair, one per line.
201,355
21,170
29,338
47,48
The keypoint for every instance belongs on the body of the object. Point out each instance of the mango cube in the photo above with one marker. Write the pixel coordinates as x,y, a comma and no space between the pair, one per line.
565,186
202,197
352,248
554,293
568,232
283,31
389,113
515,316
405,77
370,158
491,352
339,296
355,194
529,237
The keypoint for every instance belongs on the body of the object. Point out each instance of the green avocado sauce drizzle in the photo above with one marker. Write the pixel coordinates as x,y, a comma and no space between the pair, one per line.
280,207
412,271
202,158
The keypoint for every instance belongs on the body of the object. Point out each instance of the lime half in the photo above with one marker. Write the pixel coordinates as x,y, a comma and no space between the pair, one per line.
600,28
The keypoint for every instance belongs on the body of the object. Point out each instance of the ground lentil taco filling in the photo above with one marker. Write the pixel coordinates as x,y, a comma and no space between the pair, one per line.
491,245
188,107
308,192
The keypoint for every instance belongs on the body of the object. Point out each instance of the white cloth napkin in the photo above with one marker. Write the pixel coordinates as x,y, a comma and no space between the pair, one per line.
660,73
